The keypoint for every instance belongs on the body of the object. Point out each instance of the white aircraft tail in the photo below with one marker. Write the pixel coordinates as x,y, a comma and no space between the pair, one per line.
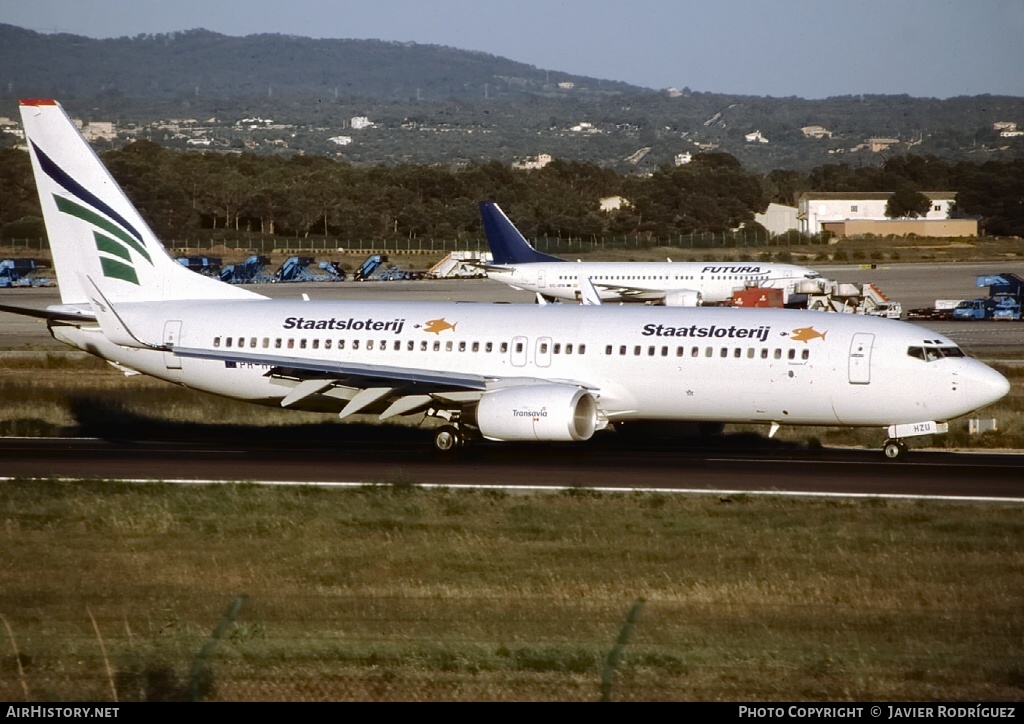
95,232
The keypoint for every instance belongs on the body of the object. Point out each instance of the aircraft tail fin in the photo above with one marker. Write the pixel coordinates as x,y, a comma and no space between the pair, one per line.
94,230
507,245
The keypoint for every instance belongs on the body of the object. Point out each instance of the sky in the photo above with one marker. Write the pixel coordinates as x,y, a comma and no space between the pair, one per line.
780,48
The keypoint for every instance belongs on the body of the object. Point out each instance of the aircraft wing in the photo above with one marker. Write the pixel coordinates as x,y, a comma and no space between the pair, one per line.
628,292
407,389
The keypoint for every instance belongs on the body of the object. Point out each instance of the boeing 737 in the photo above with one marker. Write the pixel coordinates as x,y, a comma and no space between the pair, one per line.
500,372
673,284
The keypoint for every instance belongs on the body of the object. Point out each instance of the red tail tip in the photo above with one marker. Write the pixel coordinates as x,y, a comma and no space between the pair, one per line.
37,102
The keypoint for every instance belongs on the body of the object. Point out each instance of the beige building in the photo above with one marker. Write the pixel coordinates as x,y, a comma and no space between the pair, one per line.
816,209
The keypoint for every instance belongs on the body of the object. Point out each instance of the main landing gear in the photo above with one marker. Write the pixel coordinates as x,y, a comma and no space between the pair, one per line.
448,439
894,449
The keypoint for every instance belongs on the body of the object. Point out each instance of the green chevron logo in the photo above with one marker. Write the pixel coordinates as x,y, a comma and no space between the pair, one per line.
115,246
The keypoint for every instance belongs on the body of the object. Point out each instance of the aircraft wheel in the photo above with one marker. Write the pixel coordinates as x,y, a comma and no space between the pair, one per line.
894,449
448,438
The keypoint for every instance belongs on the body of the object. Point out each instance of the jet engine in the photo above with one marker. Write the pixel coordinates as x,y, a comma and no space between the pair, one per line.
682,298
535,412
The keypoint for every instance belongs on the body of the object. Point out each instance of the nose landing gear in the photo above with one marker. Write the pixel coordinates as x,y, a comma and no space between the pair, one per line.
894,449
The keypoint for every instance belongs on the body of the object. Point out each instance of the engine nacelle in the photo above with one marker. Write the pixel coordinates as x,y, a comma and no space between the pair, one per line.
682,298
536,412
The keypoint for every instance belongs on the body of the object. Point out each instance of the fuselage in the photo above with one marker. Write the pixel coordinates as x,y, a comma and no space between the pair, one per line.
715,282
652,363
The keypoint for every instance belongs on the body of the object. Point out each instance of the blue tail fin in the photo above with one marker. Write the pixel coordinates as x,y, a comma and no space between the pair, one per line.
507,245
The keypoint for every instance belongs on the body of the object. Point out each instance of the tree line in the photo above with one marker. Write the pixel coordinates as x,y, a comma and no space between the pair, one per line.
198,196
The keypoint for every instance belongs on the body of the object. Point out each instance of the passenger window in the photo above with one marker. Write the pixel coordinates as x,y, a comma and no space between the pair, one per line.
519,347
724,352
636,351
410,345
476,346
341,344
568,349
607,349
462,346
792,354
423,346
252,342
291,344
437,346
650,351
622,350
327,344
504,347
664,351
316,344
227,341
557,349
778,354
805,354
750,353
488,347
708,352
355,344
398,345
543,347
369,344
266,342
216,341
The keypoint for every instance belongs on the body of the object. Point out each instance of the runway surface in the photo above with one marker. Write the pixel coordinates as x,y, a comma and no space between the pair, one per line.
404,457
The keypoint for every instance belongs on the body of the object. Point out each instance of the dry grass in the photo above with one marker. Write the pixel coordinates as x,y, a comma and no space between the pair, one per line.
400,593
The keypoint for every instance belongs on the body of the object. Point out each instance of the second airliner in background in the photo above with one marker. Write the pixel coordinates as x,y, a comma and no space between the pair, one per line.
673,284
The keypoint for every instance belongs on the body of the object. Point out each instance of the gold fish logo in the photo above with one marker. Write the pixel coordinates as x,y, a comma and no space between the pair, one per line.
438,325
806,334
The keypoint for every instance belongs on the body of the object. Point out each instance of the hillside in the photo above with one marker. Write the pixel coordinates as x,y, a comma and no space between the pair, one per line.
432,104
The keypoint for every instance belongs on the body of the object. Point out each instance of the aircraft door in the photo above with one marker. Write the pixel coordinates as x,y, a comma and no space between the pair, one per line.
172,336
860,358
543,358
519,345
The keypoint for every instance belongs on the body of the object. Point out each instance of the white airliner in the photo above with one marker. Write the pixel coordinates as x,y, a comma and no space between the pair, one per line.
672,284
502,372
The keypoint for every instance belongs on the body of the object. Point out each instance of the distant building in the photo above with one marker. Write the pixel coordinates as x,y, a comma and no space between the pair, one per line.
341,140
540,162
875,145
566,85
683,158
816,132
613,203
778,219
755,137
851,213
358,123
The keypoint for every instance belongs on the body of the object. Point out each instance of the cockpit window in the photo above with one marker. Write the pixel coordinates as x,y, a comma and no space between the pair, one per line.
930,354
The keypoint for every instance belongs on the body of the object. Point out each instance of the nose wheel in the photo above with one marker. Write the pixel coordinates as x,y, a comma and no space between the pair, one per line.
894,449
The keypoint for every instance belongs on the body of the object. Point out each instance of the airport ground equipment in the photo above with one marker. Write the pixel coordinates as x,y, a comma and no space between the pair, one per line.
461,265
297,269
21,273
251,271
206,265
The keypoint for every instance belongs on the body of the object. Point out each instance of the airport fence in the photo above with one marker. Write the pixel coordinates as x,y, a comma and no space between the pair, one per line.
558,246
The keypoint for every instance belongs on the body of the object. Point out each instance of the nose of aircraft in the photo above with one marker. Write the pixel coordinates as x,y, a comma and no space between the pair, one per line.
985,385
